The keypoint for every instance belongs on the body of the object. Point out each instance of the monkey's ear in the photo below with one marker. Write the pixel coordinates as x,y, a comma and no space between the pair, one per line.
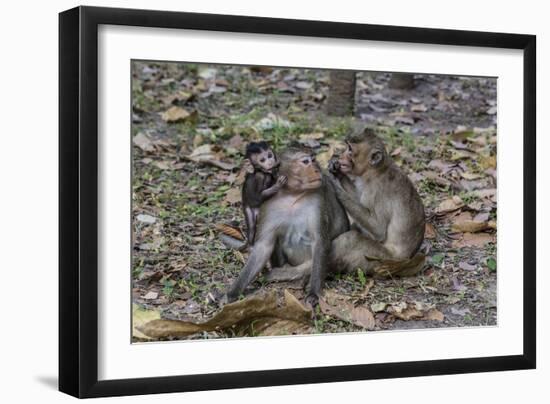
376,157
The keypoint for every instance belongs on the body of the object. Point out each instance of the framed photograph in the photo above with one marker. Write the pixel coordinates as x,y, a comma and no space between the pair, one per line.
251,201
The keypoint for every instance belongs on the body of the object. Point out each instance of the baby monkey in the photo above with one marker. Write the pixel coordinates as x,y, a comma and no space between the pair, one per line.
260,184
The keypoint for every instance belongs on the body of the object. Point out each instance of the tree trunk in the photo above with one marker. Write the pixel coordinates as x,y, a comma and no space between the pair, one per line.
341,94
401,81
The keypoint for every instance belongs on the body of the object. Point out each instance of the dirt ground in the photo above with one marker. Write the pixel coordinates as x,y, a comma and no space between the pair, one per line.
190,126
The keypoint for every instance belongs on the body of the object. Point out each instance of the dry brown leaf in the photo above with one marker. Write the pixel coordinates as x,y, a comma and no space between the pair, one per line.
151,295
206,154
488,162
230,231
462,154
470,176
464,223
197,141
404,311
449,205
434,315
335,305
419,108
251,316
143,141
474,240
489,193
141,316
469,226
312,136
430,233
461,134
396,152
233,196
181,95
175,114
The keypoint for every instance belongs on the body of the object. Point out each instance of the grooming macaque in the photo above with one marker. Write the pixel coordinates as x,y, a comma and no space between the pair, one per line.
387,212
295,227
260,184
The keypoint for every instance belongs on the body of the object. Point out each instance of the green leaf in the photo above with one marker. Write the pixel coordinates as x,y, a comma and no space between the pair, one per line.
437,259
361,276
492,264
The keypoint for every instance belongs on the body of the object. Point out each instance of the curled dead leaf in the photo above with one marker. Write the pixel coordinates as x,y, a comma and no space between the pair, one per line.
464,223
255,315
141,316
230,231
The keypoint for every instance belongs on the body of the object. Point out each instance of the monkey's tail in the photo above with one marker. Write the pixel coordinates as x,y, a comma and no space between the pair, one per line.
409,267
232,237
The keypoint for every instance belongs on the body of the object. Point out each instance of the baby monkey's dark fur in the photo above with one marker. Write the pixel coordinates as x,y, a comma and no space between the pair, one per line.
260,184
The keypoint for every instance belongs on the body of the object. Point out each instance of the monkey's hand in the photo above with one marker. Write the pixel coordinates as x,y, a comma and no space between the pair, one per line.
334,165
281,181
335,181
247,166
312,301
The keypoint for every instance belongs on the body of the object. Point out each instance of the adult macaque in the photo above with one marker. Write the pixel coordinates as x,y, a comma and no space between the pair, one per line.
296,227
260,184
387,212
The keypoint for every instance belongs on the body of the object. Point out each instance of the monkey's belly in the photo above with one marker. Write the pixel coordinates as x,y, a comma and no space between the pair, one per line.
296,246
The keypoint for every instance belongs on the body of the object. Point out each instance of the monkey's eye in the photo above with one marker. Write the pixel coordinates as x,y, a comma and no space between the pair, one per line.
270,155
262,160
305,161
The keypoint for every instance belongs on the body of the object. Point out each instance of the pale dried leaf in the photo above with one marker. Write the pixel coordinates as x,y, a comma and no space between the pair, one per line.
151,295
175,114
450,205
378,307
337,306
233,196
251,316
474,240
141,316
148,219
143,141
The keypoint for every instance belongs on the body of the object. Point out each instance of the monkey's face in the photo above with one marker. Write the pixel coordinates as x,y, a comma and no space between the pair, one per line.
345,160
264,160
361,157
303,173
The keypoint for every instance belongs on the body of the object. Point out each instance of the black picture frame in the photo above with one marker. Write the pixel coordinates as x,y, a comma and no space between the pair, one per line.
78,201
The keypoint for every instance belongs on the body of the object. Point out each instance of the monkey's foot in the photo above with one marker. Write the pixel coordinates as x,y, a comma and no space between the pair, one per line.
289,273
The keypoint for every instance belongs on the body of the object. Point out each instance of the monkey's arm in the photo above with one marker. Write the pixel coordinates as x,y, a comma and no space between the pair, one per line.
347,184
256,261
363,216
269,192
